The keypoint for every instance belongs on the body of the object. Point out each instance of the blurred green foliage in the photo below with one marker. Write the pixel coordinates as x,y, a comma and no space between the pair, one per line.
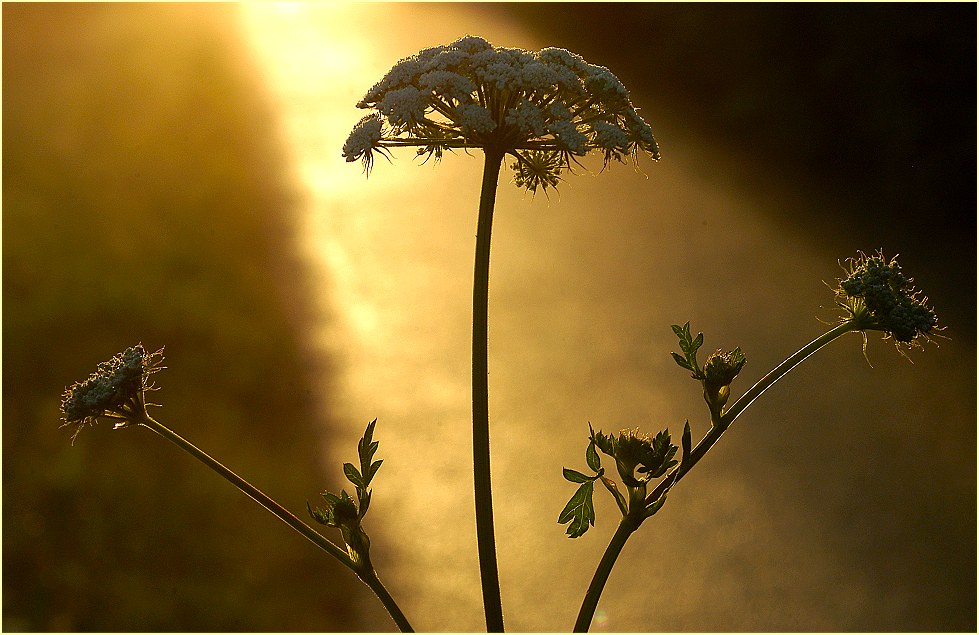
144,199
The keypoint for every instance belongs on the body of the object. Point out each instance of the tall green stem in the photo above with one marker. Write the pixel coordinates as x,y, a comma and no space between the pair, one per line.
485,539
713,435
365,572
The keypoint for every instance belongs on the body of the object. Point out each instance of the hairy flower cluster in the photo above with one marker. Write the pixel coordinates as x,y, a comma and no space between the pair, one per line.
542,108
114,391
636,452
878,296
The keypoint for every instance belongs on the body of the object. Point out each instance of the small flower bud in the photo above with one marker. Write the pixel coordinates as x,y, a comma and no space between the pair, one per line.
636,452
720,369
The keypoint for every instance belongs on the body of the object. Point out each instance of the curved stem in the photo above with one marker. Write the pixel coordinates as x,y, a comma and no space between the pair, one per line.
367,575
370,579
485,540
720,424
739,406
782,369
590,603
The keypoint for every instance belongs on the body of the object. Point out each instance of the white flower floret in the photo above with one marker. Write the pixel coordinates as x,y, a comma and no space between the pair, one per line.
536,76
404,106
475,118
497,75
602,83
562,57
471,44
402,74
363,138
447,60
449,84
557,110
527,117
568,137
609,137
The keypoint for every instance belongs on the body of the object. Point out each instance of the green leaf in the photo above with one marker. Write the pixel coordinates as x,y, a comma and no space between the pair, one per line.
681,361
366,448
353,475
689,345
697,343
591,457
365,502
580,511
373,470
577,477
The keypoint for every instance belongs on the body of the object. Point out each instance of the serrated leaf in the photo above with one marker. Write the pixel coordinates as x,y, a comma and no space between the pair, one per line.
331,499
577,477
591,457
353,475
580,511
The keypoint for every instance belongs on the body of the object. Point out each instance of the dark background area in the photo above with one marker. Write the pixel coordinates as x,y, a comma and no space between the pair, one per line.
872,106
144,200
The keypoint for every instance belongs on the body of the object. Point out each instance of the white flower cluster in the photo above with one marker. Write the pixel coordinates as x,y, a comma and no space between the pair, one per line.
469,94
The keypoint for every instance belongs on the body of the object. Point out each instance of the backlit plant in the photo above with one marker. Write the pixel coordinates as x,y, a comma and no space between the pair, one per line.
544,110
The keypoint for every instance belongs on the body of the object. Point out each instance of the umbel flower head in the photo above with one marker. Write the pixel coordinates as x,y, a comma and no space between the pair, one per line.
542,108
114,391
878,296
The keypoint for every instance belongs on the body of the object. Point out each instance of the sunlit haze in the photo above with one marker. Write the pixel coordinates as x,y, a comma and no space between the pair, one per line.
173,175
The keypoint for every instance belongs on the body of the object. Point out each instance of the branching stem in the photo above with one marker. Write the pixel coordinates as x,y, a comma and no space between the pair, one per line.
726,418
364,570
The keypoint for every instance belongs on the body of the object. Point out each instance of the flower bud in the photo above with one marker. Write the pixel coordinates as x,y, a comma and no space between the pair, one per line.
720,369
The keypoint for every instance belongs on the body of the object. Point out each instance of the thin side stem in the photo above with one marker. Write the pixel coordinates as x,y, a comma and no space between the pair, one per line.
782,369
739,406
367,575
713,435
485,539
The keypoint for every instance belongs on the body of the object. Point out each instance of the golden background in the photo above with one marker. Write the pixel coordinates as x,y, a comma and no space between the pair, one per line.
172,175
